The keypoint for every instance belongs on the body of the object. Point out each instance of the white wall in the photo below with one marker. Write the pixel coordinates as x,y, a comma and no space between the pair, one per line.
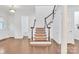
41,12
17,29
73,34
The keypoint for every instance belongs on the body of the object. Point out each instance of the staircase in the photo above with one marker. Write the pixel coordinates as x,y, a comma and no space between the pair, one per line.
40,34
39,39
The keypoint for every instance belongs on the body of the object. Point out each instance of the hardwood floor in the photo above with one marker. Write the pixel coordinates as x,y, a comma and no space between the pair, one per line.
76,46
73,48
22,46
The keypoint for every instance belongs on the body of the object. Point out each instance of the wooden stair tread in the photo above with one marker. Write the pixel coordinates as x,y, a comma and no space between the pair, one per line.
40,34
40,28
40,31
40,38
40,43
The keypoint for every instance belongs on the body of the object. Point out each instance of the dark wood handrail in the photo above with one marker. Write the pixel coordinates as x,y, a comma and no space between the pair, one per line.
48,33
53,13
34,23
32,28
46,25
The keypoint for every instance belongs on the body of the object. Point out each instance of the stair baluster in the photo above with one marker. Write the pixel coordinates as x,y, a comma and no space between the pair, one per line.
32,28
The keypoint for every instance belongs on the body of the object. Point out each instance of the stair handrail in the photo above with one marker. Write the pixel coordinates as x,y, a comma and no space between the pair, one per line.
32,28
46,25
53,13
34,23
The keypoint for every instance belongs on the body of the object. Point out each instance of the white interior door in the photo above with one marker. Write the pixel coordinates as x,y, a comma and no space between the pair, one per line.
76,20
76,25
24,23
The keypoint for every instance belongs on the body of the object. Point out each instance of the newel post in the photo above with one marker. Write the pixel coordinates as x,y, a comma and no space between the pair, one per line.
48,33
32,33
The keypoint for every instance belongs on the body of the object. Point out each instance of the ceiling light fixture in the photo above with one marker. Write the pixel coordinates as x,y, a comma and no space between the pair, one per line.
12,10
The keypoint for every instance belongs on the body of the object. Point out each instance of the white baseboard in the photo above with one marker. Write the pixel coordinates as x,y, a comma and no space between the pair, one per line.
18,37
3,37
7,36
59,42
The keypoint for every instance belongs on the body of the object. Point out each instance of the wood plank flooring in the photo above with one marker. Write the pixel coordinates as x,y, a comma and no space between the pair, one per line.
22,46
73,48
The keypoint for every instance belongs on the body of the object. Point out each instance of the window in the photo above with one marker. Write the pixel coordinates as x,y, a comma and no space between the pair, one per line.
1,23
76,20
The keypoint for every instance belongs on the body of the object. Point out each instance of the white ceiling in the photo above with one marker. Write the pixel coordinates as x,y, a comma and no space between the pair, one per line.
26,9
